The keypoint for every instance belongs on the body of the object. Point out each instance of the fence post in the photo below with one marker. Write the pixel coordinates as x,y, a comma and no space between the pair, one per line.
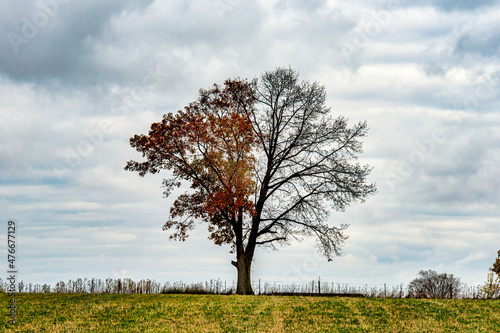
319,285
385,290
259,286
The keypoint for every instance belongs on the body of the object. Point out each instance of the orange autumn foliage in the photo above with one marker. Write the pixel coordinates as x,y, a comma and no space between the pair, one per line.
209,144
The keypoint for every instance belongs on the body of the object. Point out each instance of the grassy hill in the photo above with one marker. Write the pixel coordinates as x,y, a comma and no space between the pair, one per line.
217,313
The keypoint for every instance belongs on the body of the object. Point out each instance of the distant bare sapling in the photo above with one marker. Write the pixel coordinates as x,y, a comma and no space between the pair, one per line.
430,284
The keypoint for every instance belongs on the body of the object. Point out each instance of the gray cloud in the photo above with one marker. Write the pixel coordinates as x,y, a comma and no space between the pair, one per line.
487,47
454,5
48,39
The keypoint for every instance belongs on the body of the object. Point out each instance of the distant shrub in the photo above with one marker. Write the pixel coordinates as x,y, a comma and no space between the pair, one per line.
430,284
491,288
212,287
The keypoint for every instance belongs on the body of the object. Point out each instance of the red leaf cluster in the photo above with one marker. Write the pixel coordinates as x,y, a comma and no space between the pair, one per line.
210,144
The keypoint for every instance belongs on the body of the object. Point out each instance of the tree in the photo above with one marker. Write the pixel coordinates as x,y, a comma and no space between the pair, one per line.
491,288
496,265
430,284
266,162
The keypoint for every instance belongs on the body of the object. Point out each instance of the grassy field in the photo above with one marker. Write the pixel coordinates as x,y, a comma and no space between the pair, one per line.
218,313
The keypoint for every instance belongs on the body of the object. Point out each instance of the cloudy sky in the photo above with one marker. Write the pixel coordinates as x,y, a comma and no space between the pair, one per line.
78,79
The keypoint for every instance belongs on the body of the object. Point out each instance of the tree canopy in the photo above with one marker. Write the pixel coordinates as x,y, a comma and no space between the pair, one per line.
209,144
430,284
266,161
496,265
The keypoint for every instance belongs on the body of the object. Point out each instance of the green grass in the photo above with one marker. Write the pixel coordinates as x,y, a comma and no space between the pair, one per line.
218,313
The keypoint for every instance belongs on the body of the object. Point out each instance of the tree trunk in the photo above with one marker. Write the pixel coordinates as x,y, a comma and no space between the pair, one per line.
243,257
244,285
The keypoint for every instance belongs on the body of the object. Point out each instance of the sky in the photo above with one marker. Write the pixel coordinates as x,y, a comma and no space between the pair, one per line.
79,78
